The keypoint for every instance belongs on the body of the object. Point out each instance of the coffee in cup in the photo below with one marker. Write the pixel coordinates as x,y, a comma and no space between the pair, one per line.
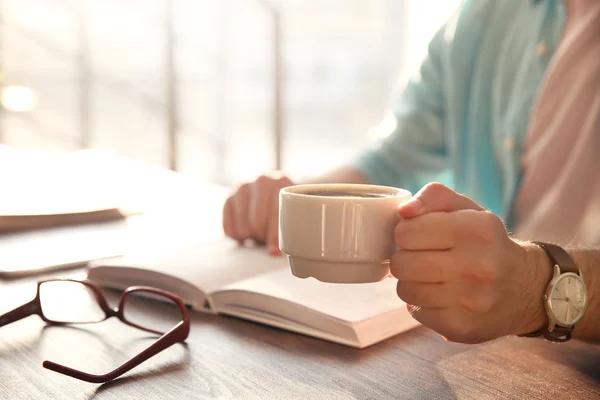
340,233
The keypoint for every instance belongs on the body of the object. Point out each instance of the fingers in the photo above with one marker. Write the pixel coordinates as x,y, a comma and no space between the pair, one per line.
425,295
261,203
252,212
443,231
229,219
241,211
423,266
436,231
436,197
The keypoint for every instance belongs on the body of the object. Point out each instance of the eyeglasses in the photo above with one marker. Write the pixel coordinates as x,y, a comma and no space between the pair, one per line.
67,301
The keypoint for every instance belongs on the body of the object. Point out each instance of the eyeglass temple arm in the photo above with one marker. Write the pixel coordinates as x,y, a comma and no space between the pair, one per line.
177,334
21,312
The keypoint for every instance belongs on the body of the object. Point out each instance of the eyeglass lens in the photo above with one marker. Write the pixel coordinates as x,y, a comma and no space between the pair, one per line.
75,302
69,302
151,311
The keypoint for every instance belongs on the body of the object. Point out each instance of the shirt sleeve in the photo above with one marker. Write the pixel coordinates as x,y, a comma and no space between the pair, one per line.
415,152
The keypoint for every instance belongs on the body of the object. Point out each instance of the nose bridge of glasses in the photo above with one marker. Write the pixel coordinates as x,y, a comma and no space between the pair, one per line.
113,312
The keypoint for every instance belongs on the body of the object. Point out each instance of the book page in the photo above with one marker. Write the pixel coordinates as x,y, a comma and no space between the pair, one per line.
346,302
209,266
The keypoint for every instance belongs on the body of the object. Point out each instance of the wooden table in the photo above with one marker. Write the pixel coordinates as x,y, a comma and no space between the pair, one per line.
230,358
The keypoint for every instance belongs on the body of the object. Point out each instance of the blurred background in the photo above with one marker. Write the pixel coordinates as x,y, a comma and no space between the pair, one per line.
218,89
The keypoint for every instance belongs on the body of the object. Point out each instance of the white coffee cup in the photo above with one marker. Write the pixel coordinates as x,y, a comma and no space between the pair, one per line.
340,233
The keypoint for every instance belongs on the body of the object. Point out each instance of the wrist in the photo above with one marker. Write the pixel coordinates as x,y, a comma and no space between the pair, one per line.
537,269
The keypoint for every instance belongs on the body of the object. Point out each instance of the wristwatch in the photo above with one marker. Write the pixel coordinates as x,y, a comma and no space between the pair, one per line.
566,297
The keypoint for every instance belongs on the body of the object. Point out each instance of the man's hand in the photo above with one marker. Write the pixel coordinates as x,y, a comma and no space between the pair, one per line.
460,273
252,212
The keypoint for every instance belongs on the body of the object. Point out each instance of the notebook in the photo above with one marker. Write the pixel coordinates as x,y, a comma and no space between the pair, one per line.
24,222
60,210
222,277
53,189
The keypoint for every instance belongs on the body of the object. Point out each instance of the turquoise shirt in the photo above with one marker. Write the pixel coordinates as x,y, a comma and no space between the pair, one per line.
462,119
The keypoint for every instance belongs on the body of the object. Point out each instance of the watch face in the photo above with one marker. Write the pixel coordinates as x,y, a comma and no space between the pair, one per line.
568,299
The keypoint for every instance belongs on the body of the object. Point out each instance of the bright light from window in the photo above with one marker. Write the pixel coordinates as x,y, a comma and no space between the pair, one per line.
424,19
18,98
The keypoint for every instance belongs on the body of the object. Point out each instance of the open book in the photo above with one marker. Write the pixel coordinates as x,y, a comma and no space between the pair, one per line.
221,277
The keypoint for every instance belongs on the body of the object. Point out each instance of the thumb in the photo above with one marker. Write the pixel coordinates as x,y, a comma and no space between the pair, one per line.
435,197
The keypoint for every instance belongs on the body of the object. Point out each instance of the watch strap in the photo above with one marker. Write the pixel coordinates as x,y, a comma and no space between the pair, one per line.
558,334
559,257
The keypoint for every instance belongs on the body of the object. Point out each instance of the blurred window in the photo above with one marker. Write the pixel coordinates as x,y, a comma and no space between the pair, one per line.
119,75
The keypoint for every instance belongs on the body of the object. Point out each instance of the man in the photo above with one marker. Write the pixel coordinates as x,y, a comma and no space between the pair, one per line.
505,109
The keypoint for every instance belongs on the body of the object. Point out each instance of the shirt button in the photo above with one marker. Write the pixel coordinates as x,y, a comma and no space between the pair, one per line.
541,49
509,144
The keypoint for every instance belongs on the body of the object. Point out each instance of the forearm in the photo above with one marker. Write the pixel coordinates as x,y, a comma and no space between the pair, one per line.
340,175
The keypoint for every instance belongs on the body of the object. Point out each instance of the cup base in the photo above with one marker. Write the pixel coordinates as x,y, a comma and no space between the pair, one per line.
339,272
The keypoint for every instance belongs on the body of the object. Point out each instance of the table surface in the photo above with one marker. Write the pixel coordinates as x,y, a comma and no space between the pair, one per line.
230,358
226,357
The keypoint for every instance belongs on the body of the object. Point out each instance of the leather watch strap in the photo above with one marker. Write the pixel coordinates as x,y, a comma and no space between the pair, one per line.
559,257
558,334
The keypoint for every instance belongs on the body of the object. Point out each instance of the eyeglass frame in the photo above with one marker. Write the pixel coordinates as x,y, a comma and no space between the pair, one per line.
179,333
